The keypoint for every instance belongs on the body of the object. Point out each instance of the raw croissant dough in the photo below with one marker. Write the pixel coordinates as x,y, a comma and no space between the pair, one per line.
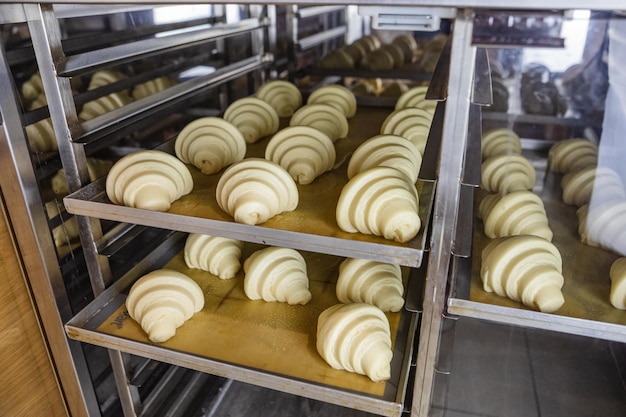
516,213
371,282
382,202
283,96
500,142
148,179
103,105
507,173
162,300
95,167
254,117
600,183
356,338
604,225
210,144
153,86
524,268
389,151
411,123
336,96
571,155
303,151
416,97
276,274
618,284
254,190
322,117
221,256
41,136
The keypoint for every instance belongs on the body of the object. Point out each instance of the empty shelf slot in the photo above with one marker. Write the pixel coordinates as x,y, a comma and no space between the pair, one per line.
80,63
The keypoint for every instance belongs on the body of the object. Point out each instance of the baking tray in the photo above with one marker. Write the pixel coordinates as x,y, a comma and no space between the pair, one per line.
312,226
267,344
587,310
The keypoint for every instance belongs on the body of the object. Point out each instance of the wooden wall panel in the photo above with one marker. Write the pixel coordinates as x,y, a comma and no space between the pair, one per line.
28,382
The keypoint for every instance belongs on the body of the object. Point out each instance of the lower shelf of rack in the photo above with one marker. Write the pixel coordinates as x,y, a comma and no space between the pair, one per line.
586,311
267,344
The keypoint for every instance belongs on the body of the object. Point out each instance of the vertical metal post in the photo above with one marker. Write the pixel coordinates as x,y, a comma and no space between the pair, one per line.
29,220
445,209
292,39
46,36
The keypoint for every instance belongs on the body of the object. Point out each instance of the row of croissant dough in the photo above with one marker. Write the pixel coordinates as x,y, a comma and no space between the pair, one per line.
380,198
520,262
353,335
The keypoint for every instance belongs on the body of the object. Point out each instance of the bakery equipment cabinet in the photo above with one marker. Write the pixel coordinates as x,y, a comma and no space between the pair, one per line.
82,252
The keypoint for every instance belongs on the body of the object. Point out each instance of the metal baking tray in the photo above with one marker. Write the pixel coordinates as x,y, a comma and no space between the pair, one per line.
312,226
266,344
587,310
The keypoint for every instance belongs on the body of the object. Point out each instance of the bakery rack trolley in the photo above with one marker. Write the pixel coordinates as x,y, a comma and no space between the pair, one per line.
438,259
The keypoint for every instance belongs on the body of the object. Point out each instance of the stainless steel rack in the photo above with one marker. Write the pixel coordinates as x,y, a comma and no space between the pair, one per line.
441,282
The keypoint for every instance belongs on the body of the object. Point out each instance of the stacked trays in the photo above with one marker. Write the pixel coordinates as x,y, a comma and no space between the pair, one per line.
271,344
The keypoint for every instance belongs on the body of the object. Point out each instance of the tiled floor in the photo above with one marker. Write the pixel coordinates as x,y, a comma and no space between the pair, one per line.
495,371
509,371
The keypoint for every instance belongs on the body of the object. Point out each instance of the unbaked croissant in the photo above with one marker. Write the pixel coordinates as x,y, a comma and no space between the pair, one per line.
221,256
322,117
603,225
524,268
103,105
507,173
500,142
303,151
33,87
378,60
282,95
356,338
355,51
254,117
411,123
618,284
516,213
371,282
148,179
95,167
337,59
369,42
162,300
101,78
382,202
396,52
388,151
67,231
254,190
276,274
572,154
210,144
336,96
415,97
408,45
151,87
600,183
41,136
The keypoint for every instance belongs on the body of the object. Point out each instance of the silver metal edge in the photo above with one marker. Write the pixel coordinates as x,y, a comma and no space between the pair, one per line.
79,63
112,119
445,209
306,12
537,320
80,203
82,328
321,37
477,4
